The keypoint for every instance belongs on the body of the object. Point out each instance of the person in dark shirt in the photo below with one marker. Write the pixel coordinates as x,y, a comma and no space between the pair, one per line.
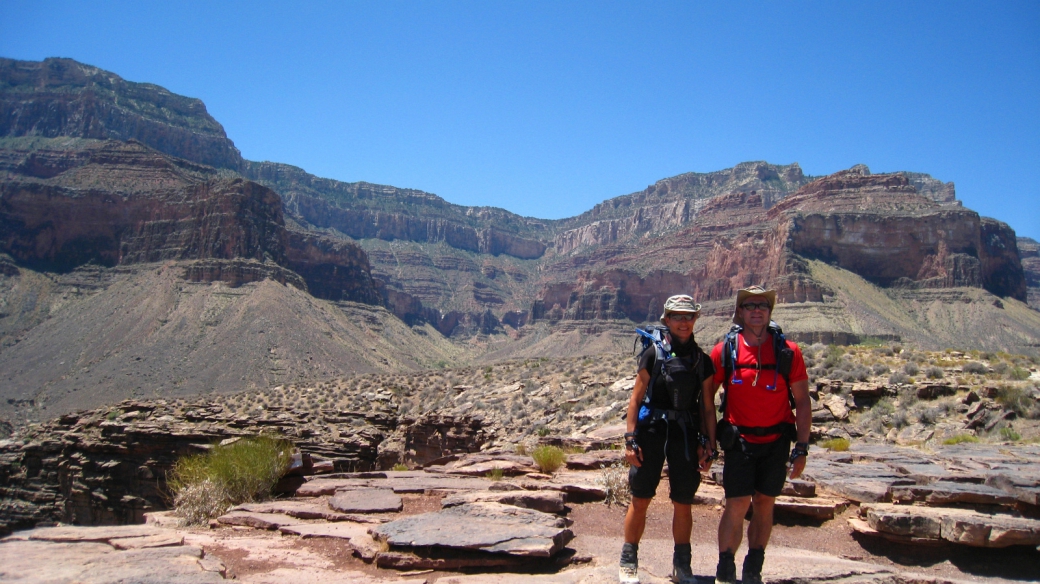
664,422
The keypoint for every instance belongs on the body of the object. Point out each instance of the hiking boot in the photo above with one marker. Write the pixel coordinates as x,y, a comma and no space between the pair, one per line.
628,571
752,573
681,572
726,572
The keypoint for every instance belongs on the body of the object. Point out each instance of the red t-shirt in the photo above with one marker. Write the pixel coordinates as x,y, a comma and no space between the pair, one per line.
754,404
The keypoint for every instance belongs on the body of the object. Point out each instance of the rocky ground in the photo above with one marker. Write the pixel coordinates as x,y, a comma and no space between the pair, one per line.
451,524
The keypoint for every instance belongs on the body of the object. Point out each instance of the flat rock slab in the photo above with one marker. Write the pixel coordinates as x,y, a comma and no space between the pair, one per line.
103,533
34,561
148,541
595,459
356,535
947,492
544,501
298,509
414,483
269,521
962,526
821,508
366,501
507,467
488,527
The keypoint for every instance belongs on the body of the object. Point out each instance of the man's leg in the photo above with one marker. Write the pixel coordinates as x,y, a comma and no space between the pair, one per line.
761,521
731,526
731,530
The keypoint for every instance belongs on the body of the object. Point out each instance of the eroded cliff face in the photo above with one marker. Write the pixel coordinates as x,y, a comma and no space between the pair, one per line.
673,202
1029,251
875,226
878,227
116,203
60,97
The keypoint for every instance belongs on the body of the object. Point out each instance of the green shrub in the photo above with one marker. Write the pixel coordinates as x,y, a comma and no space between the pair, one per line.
1014,398
898,378
549,458
934,373
1018,373
1008,433
495,474
911,368
207,485
974,367
836,444
400,466
521,449
959,438
543,431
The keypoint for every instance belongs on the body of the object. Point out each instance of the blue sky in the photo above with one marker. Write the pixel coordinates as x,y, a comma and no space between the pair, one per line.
547,108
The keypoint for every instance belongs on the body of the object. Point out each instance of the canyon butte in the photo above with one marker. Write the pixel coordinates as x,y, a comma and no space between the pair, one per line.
141,256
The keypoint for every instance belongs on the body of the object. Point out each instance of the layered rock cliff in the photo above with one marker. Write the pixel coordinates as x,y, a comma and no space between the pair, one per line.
60,97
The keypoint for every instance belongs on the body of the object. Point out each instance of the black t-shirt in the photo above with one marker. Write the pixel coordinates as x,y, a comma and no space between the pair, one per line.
695,359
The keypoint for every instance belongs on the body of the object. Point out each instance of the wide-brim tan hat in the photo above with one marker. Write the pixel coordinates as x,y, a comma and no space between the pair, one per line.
680,303
745,293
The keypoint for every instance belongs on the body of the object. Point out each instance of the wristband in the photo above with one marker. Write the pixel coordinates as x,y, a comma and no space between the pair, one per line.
796,452
704,441
630,434
630,443
714,454
803,446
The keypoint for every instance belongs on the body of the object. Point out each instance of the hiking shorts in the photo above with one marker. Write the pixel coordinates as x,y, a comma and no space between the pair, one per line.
658,443
751,468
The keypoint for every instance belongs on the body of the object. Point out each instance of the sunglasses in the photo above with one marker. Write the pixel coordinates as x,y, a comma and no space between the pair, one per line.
685,317
755,306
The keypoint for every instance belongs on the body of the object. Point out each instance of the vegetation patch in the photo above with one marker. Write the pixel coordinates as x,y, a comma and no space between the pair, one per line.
836,444
549,458
207,485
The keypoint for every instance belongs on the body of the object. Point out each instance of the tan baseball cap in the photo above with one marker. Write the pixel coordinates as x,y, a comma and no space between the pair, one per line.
745,293
680,303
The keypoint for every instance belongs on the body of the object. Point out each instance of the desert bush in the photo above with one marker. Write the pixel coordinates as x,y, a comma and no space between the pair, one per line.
1018,373
880,369
399,467
1008,433
1015,399
542,431
974,367
934,372
207,485
900,419
495,474
836,444
907,396
521,449
911,368
614,480
1001,368
549,458
959,438
898,377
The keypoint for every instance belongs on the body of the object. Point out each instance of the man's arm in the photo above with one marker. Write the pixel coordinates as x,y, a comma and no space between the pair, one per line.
803,419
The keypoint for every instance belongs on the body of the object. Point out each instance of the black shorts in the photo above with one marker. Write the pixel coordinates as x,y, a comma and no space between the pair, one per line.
751,468
683,475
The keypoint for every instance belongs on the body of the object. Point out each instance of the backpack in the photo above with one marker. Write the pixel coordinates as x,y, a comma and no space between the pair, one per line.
656,336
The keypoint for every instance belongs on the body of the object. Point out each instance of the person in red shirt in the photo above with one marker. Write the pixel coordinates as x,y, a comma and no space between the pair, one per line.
755,431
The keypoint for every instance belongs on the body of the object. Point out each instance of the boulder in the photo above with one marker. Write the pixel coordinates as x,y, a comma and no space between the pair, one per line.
836,405
486,527
269,521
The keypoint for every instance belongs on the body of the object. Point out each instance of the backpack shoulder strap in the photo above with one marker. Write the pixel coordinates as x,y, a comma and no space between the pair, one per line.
729,361
784,355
